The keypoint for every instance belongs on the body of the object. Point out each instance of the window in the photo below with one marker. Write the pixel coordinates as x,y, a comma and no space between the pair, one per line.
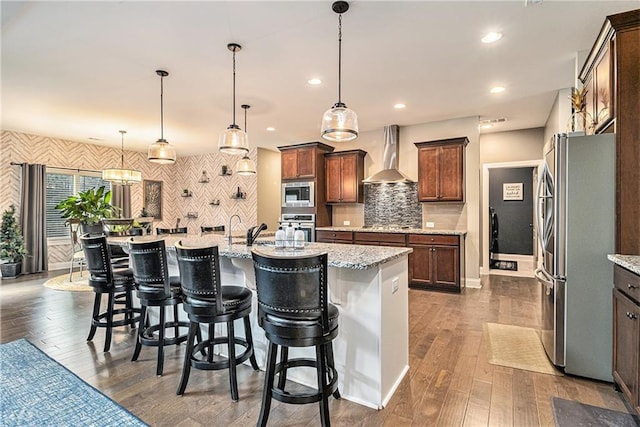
60,185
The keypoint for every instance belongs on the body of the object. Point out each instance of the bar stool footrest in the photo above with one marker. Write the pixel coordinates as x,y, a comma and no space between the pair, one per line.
303,398
219,364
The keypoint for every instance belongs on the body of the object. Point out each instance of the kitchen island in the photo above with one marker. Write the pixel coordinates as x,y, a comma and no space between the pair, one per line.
369,286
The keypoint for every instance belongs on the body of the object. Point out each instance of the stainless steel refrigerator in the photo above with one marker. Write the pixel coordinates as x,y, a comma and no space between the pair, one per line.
576,223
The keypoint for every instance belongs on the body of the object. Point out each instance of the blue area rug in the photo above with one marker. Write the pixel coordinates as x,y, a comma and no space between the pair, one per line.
35,390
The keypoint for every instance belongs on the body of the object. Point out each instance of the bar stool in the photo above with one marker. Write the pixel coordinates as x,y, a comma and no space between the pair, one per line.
293,310
155,288
207,302
117,283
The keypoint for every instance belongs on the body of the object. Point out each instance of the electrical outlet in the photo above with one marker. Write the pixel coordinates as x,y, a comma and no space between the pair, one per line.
429,224
395,283
346,223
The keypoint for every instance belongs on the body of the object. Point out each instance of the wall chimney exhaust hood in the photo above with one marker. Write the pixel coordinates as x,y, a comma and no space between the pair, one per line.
390,173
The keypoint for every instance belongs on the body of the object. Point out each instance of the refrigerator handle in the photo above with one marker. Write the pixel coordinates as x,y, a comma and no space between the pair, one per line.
538,208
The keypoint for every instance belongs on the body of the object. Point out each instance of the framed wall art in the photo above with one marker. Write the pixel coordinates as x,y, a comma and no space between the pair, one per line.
512,191
152,198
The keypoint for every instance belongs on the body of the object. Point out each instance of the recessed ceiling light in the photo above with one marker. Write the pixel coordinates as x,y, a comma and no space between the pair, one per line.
486,126
271,129
497,89
491,37
399,106
314,81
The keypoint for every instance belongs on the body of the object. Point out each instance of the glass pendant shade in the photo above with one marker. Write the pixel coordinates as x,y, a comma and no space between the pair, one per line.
233,141
121,175
161,152
339,124
245,166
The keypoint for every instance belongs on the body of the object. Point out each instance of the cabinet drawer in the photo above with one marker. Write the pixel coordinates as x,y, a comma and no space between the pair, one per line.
334,235
432,239
379,237
627,282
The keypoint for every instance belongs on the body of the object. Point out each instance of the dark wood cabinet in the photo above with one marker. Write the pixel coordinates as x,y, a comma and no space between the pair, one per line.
298,163
435,262
329,236
441,170
344,172
379,239
626,334
611,73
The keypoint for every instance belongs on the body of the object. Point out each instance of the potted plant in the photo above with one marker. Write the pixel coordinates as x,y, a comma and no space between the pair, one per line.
89,208
12,248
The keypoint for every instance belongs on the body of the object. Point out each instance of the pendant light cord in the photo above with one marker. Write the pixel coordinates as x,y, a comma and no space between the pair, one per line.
161,108
234,87
340,59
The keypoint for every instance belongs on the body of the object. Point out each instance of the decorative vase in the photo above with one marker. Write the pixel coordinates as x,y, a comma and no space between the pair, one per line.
580,121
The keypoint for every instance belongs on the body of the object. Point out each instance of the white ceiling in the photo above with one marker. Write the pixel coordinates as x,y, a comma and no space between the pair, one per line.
81,70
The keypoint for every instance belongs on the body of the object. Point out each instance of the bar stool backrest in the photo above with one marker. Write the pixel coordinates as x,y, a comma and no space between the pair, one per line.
149,264
204,229
292,288
98,259
179,230
200,273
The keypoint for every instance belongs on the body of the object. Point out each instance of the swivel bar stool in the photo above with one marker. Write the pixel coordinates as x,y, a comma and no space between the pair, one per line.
293,310
117,283
207,302
155,288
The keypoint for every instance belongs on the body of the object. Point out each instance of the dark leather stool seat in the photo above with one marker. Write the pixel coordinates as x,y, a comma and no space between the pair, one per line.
117,283
207,302
155,288
294,311
177,230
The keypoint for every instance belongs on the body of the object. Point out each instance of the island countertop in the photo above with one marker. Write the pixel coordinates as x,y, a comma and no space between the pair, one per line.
630,262
396,230
357,257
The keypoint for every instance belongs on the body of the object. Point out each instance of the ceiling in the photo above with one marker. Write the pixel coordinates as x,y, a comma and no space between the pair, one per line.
84,70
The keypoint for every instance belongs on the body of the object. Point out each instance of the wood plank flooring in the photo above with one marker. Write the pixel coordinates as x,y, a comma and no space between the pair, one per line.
450,382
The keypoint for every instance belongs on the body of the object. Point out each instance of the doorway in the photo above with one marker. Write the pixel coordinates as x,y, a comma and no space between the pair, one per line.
509,238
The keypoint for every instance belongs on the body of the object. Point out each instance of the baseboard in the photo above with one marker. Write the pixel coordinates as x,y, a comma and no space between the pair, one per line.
395,386
473,283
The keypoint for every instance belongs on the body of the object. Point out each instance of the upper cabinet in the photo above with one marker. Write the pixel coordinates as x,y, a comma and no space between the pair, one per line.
303,161
344,175
441,170
611,74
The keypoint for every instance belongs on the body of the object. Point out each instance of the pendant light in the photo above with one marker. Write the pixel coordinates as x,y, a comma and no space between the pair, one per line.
339,123
161,151
234,140
122,176
245,166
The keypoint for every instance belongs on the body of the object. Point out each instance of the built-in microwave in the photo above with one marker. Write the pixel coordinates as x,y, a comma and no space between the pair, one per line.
298,194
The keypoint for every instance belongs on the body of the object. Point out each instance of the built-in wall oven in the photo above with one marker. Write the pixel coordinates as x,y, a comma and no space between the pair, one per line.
298,194
304,222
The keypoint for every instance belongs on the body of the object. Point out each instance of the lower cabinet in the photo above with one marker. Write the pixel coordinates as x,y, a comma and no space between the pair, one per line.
435,262
626,334
328,236
380,239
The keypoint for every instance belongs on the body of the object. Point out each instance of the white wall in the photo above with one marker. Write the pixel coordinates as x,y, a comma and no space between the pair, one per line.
559,115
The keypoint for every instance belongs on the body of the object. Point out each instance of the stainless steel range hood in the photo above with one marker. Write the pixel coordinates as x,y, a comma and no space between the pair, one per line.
390,173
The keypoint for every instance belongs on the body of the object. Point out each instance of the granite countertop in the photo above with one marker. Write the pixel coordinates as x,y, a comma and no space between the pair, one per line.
357,257
396,230
630,262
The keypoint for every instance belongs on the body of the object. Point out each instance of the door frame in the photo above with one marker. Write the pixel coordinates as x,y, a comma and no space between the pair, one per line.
484,268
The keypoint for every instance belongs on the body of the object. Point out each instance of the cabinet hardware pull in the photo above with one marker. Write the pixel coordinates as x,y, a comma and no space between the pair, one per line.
631,315
630,286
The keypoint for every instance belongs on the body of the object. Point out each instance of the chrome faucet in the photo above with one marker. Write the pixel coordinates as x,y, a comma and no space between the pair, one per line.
239,220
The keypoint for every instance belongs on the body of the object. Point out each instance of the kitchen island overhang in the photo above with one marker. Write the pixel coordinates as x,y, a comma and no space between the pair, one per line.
369,286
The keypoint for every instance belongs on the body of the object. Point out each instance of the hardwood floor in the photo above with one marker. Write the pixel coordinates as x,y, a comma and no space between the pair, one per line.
450,382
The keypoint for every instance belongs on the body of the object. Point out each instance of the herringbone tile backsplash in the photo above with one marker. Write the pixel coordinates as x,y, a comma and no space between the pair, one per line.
184,174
